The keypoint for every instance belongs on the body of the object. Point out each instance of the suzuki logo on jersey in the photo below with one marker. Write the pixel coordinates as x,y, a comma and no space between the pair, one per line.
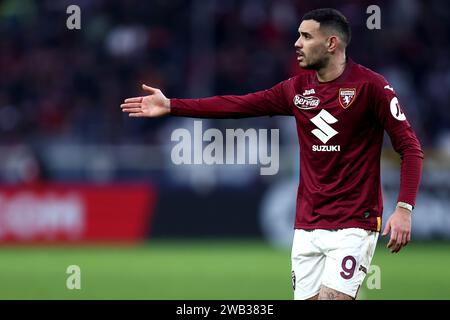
346,97
324,132
306,103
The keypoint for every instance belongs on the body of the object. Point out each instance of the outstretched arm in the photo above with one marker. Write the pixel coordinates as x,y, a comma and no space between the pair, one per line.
268,102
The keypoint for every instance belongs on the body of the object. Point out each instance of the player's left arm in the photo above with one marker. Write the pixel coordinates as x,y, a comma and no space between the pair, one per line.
404,141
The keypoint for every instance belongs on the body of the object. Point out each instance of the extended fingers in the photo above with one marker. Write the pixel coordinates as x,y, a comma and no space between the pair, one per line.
135,99
130,105
132,110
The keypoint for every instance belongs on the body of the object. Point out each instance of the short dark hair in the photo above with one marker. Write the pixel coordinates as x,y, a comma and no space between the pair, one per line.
331,18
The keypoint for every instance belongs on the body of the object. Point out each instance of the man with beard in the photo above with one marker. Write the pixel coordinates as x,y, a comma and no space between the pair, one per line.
342,110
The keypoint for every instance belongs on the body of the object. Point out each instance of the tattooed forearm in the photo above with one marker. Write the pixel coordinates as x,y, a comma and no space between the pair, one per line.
330,294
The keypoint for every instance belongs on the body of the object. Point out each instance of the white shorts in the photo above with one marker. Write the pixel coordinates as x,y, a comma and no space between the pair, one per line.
337,259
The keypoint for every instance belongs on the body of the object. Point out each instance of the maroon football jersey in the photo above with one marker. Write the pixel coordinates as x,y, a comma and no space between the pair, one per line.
340,127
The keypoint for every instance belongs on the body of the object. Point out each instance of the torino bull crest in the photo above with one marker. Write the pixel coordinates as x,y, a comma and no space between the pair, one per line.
346,97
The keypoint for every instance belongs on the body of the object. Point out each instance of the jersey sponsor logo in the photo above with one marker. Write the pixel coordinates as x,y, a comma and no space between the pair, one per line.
396,111
308,92
346,97
325,148
322,121
324,132
306,103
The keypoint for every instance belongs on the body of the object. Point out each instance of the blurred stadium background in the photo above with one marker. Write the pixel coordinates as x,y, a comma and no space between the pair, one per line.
82,184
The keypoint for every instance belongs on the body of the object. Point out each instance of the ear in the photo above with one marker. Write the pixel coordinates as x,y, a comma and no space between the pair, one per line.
333,43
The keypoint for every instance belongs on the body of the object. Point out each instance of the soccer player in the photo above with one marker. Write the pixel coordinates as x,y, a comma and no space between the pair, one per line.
342,110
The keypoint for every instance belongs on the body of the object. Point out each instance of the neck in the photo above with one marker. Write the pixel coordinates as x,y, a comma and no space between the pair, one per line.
333,69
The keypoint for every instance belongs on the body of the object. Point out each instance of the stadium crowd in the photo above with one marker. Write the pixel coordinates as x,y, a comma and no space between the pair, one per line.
65,86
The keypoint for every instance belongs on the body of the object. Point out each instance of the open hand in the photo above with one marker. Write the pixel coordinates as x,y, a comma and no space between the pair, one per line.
153,105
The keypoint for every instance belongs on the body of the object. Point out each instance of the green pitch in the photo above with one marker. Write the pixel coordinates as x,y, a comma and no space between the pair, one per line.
203,270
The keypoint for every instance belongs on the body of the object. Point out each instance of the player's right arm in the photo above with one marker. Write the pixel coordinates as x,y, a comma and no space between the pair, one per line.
262,103
154,105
